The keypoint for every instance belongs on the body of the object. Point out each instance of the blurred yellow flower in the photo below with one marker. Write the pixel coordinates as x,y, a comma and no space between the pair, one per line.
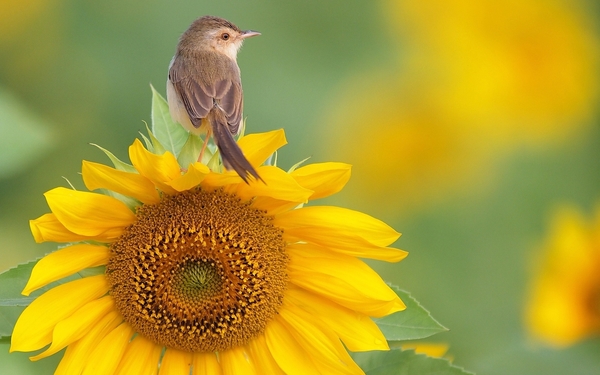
17,15
563,306
524,71
436,350
474,80
206,274
406,150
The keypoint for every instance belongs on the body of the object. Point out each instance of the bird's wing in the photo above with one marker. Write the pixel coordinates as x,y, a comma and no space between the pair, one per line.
228,93
199,98
196,99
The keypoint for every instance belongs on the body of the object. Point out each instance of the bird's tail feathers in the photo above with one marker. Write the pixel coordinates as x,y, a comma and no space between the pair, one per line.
232,155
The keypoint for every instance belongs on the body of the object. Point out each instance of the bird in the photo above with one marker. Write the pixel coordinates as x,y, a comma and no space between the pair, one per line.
204,88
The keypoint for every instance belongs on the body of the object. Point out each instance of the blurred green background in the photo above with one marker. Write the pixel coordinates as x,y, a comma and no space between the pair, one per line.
467,122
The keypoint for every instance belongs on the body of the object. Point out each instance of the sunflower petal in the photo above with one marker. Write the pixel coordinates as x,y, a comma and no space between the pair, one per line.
259,146
88,214
336,221
234,361
105,358
205,363
289,355
77,354
160,169
175,362
34,327
63,263
196,172
48,228
100,176
216,180
357,331
140,357
278,185
320,343
324,179
273,206
74,327
351,245
345,280
262,358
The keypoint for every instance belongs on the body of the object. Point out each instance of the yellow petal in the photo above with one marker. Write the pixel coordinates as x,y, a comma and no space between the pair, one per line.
105,358
194,175
74,327
324,179
175,362
100,176
320,343
76,355
357,331
89,214
33,329
205,364
48,228
216,180
353,246
287,352
278,185
160,169
258,147
141,357
65,262
345,280
273,206
235,361
262,358
336,221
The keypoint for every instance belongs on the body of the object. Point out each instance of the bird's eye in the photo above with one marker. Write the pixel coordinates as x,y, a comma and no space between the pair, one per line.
225,36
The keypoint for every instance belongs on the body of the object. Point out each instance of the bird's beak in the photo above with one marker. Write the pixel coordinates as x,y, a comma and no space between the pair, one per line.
249,33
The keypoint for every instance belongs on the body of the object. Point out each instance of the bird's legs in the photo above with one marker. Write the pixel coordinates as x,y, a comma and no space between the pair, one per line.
208,134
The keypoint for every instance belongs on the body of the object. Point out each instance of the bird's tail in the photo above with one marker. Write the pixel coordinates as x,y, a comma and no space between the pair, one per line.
232,155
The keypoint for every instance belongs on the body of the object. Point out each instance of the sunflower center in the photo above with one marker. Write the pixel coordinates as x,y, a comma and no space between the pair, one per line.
200,271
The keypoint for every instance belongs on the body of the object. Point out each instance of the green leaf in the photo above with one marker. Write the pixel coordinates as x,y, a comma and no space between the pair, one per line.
169,133
122,166
12,302
404,362
25,137
411,324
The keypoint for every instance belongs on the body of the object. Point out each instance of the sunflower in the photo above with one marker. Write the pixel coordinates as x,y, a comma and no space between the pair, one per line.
563,306
202,273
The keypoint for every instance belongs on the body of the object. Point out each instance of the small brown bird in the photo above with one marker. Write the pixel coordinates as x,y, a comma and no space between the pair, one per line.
204,88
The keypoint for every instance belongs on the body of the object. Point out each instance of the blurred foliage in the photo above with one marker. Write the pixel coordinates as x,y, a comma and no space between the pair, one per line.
467,122
24,137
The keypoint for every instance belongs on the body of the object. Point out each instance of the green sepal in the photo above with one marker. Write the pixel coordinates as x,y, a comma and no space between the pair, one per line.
119,165
295,166
157,147
413,323
132,203
405,362
168,132
147,142
190,150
